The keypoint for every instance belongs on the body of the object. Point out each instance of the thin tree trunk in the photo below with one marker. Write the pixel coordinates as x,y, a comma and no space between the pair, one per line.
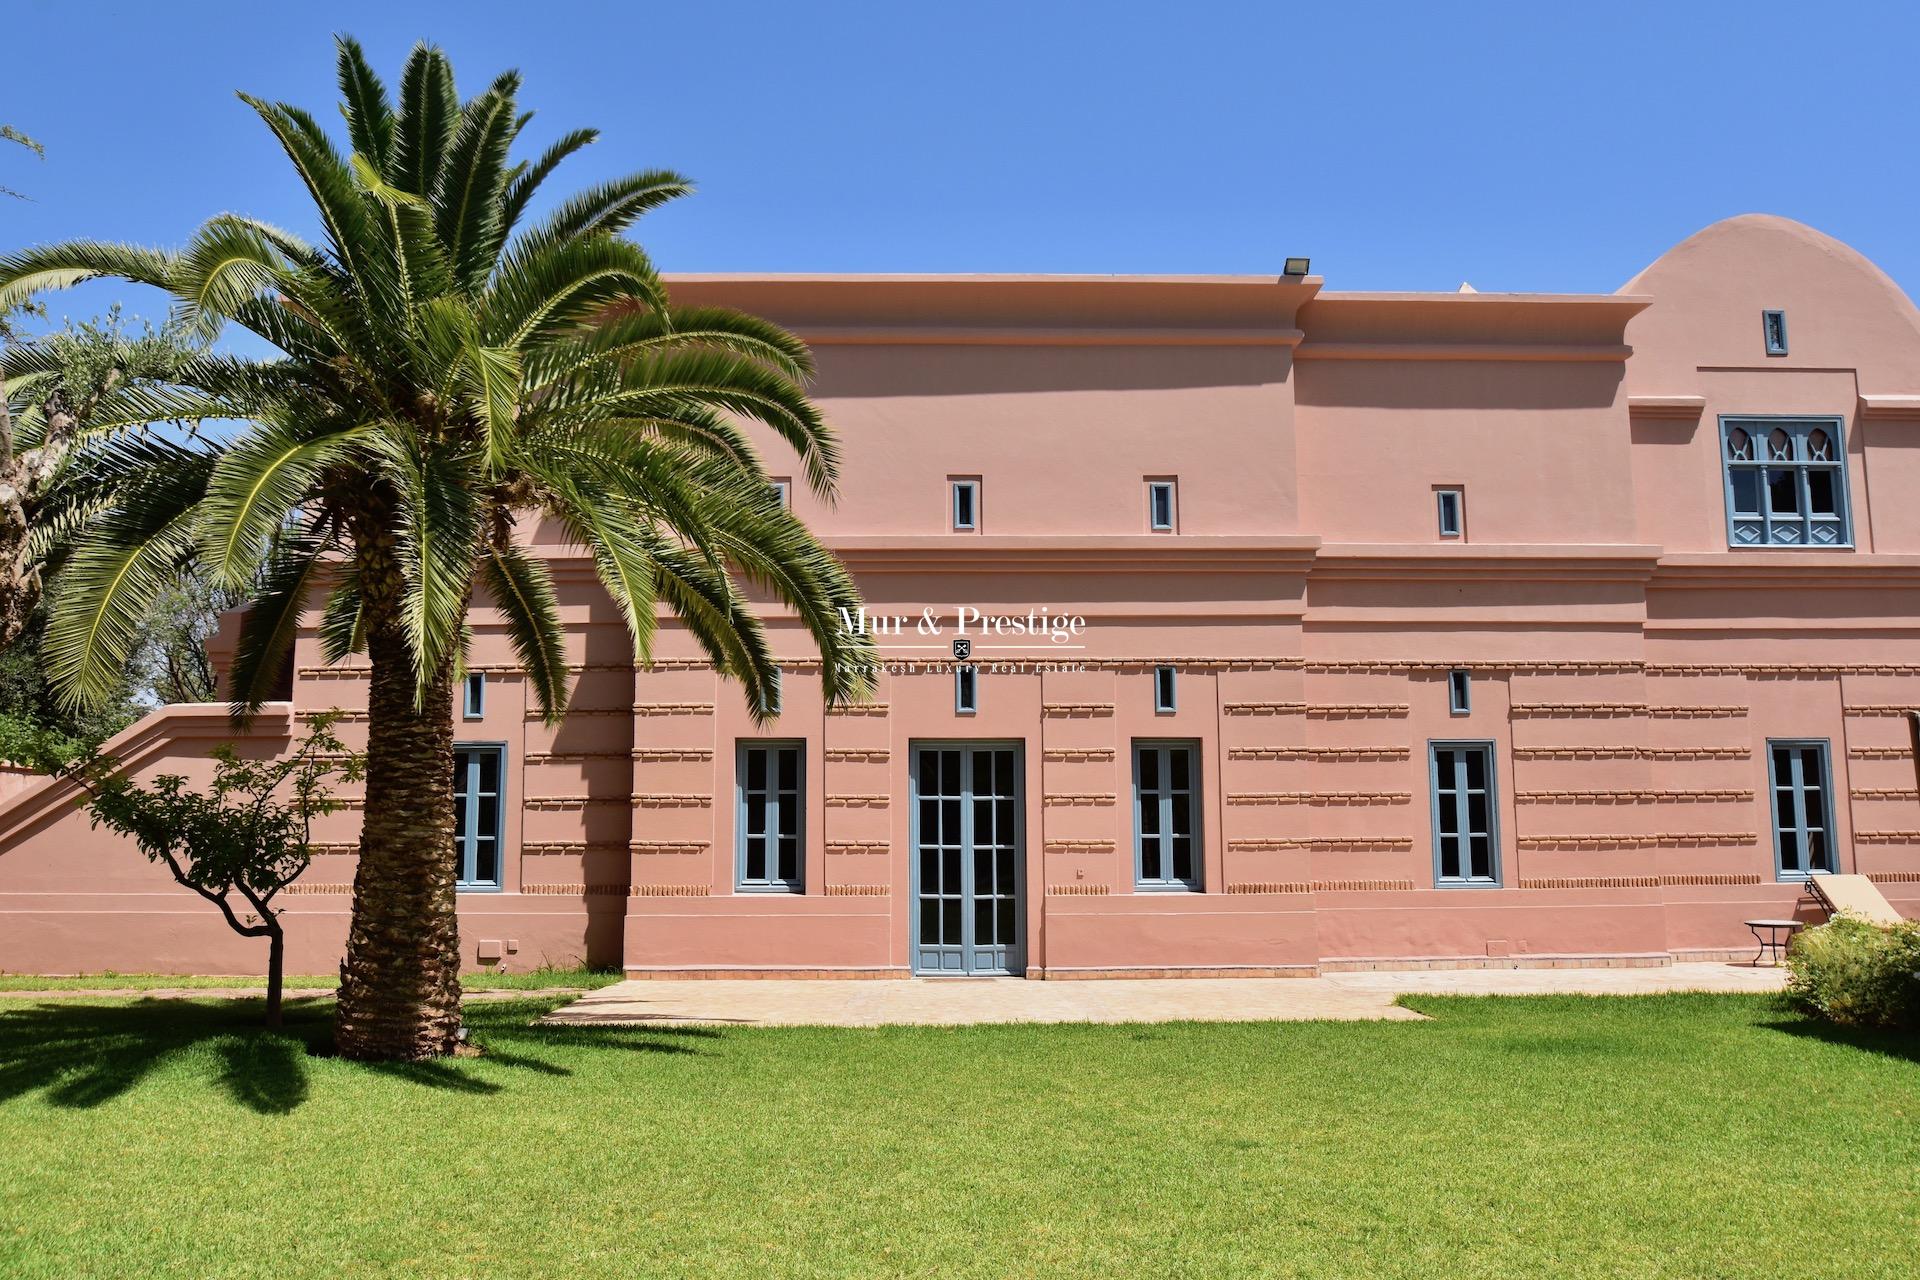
276,966
400,984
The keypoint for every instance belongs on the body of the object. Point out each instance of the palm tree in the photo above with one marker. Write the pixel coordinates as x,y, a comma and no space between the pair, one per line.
440,373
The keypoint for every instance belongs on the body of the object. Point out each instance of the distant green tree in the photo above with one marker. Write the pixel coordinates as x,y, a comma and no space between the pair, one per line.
240,841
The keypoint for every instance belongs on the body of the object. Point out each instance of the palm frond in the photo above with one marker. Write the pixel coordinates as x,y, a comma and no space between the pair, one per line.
364,103
61,266
259,483
547,287
440,521
524,594
272,621
522,185
342,627
429,108
612,207
467,199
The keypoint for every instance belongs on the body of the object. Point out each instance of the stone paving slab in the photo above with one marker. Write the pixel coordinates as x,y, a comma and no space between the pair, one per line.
1344,997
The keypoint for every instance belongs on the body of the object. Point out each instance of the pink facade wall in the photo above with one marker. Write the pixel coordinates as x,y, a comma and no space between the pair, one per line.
1628,668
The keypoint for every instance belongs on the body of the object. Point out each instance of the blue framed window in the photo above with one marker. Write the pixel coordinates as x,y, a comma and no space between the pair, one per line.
479,813
473,696
966,690
1773,327
1799,781
1451,509
1459,693
1160,506
966,505
1466,827
1166,815
1786,482
1164,691
783,491
772,816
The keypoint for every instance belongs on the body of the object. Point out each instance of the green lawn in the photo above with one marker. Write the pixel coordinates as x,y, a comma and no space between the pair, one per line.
1546,1138
535,980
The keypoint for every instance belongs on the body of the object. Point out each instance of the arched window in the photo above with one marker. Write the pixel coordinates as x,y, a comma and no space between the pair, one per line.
1794,495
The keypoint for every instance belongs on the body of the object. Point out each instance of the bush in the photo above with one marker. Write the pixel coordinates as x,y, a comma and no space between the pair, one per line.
1858,973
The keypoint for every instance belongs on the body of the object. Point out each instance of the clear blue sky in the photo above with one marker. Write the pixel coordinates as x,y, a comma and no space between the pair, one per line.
1531,146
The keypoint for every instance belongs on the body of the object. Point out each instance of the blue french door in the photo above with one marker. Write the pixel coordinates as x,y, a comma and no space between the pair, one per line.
966,853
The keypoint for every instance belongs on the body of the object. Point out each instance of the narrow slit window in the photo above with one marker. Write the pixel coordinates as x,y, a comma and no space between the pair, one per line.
966,690
1452,504
1163,690
1774,325
473,702
1459,692
774,691
478,817
1160,506
772,813
783,491
966,504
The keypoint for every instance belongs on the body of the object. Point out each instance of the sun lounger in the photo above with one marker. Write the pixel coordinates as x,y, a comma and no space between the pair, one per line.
1855,895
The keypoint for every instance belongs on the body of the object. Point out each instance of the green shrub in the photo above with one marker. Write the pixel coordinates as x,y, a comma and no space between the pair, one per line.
1863,974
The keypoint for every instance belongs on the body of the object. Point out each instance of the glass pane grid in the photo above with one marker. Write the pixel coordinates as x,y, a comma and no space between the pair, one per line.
1785,483
772,803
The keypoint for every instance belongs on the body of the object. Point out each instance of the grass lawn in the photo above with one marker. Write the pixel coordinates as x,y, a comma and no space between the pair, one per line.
536,980
1574,1136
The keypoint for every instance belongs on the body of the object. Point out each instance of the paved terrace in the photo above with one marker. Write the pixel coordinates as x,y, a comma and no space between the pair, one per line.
1344,997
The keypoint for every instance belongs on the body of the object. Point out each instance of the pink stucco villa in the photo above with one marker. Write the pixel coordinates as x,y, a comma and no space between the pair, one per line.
1307,629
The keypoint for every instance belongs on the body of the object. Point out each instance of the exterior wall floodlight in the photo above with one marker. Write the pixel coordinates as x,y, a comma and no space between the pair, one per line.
1296,267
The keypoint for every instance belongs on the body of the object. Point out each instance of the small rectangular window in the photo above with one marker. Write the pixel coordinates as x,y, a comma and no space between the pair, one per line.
1802,810
1160,508
1459,692
783,491
478,816
966,690
1453,511
1466,845
1166,815
774,691
772,814
473,703
1774,325
966,504
1163,690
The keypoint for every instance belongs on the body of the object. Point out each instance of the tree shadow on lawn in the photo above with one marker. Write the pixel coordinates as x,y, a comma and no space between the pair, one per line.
84,1055
1903,1046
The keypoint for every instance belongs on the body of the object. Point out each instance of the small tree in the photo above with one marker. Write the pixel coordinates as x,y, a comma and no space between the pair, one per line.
248,834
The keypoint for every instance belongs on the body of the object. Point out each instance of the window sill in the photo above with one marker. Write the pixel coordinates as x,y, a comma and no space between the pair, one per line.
1468,884
1140,886
479,888
781,890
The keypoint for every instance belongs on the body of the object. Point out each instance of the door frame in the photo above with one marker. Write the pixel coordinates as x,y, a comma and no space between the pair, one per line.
1019,748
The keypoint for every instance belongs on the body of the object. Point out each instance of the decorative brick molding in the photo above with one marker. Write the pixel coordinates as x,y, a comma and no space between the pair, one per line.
1356,710
858,709
1342,754
670,891
1894,877
872,801
1081,846
568,757
1071,710
1697,713
1394,667
858,891
672,800
1077,891
333,849
670,709
1077,755
1592,882
1362,886
1879,709
533,713
1879,753
575,890
1327,798
329,890
1886,837
544,848
1704,879
1264,708
1271,886
1576,710
1191,664
1883,793
670,755
859,846
1321,843
850,755
1632,797
678,848
557,804
1681,839
1078,799
1632,753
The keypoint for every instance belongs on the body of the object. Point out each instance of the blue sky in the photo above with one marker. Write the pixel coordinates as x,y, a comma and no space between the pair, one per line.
1536,146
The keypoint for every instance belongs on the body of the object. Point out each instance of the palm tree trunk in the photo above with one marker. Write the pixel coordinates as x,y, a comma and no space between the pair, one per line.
400,984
